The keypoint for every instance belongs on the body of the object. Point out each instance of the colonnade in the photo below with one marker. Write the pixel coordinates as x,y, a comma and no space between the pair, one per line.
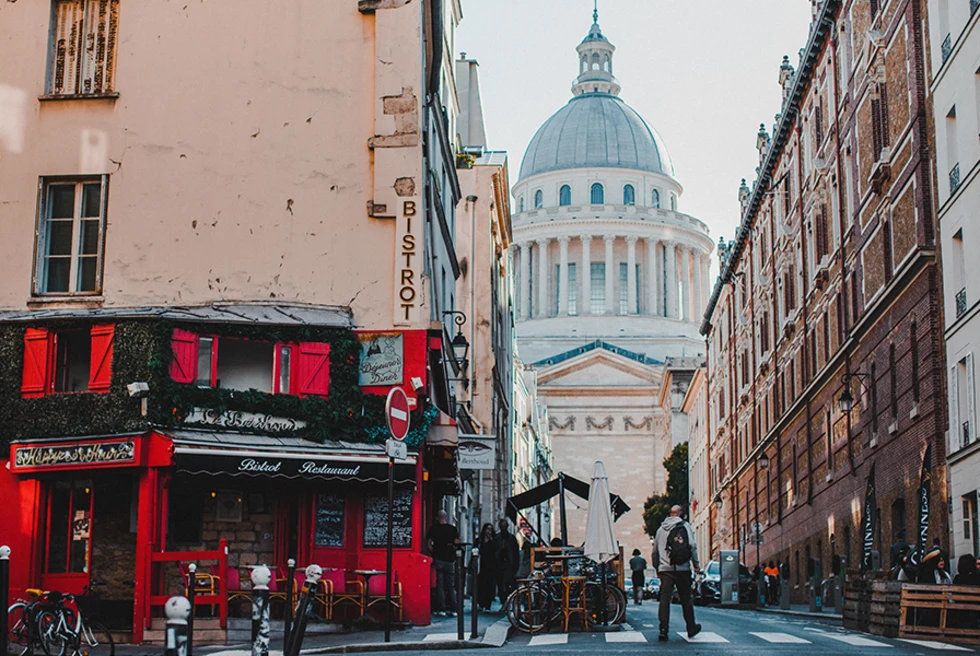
669,279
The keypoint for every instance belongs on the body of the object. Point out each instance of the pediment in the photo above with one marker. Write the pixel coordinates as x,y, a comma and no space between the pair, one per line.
600,368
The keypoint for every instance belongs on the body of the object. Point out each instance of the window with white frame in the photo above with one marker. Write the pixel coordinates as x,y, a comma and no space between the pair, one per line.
84,40
597,295
572,289
71,235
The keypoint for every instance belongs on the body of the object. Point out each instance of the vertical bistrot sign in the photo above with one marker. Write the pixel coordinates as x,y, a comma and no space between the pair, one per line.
397,415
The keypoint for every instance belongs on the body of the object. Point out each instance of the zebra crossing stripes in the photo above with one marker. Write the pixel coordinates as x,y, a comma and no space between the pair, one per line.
703,637
440,637
781,638
548,639
939,646
626,636
857,641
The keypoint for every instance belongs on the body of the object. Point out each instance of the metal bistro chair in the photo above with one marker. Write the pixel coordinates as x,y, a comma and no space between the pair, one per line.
204,582
340,591
573,601
376,594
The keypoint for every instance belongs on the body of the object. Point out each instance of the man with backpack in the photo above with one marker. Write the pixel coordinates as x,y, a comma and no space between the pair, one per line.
674,558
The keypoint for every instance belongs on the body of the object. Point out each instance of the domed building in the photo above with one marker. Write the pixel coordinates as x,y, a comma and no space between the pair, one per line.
611,280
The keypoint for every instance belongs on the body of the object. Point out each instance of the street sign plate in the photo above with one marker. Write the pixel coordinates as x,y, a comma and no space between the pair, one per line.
397,413
396,449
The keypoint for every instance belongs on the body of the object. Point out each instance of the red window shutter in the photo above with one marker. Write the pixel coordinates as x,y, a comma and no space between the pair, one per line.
183,364
314,369
37,362
100,369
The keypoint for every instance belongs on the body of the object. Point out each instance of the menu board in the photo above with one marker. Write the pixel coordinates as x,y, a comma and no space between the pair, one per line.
376,520
329,520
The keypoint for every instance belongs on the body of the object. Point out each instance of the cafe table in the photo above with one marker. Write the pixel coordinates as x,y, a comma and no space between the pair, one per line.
367,575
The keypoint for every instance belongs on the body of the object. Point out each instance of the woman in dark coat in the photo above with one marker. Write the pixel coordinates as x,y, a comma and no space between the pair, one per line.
488,567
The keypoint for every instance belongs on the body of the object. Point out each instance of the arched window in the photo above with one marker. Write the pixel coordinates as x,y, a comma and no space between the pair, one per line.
565,195
605,63
673,203
538,199
595,61
520,203
655,199
584,65
629,195
598,195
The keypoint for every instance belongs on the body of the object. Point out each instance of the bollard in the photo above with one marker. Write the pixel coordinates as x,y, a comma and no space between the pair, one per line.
287,620
784,593
460,621
261,576
4,596
176,610
191,591
475,594
313,574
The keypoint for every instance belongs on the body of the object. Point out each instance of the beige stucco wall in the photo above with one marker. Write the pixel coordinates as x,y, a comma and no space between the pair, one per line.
237,151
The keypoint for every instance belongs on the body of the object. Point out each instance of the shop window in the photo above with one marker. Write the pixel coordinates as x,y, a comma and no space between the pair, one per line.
69,528
67,361
185,515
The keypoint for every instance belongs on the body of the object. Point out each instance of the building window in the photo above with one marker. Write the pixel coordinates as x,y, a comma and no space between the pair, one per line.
673,202
655,199
873,385
879,121
69,527
959,274
71,236
898,519
624,306
822,234
916,384
629,195
565,196
520,203
598,196
83,48
538,199
67,361
572,289
597,300
893,380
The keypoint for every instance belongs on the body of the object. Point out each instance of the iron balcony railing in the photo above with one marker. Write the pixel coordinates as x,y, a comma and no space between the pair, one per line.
961,296
947,47
954,179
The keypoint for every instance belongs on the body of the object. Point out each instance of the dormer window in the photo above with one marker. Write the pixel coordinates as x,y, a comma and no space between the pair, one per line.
565,196
598,196
629,195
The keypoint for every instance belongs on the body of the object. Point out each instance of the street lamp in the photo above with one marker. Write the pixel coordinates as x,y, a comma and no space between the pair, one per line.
718,502
460,346
764,460
846,399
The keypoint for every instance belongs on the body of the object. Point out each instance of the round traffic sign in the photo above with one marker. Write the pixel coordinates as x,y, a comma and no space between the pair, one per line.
396,412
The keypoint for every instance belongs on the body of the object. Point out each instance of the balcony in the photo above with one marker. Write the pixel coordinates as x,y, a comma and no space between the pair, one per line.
954,179
947,47
961,296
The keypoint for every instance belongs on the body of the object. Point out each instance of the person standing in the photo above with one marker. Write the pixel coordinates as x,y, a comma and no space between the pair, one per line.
772,583
675,557
488,566
508,560
443,538
638,566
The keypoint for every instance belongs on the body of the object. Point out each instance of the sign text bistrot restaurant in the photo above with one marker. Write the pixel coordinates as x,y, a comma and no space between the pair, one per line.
310,467
28,457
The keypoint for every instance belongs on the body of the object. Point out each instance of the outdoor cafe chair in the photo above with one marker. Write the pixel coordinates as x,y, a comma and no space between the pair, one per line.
376,594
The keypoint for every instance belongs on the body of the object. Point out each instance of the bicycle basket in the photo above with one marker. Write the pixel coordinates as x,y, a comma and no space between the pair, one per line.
88,604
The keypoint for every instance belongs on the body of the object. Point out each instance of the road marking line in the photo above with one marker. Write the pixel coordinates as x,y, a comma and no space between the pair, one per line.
781,638
625,636
440,637
648,626
857,641
539,640
706,636
941,646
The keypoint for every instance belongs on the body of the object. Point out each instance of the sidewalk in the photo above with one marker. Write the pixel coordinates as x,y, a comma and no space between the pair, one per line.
801,610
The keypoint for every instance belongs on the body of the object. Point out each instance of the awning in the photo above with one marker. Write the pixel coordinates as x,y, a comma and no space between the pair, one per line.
552,489
239,454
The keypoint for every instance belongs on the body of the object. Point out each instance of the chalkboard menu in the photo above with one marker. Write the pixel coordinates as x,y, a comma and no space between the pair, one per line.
376,520
329,520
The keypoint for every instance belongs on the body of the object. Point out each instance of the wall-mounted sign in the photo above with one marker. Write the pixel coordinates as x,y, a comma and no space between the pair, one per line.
279,466
78,455
382,359
408,264
477,452
242,420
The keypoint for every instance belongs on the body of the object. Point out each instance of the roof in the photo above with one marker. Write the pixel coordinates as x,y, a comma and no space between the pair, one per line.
642,358
248,313
596,130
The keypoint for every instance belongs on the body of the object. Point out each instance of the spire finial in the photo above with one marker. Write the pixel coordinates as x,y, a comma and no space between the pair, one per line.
595,12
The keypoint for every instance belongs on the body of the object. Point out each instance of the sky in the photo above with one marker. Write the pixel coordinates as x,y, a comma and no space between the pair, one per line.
703,73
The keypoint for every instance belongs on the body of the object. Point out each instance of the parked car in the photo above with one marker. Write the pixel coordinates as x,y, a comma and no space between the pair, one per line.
707,585
652,589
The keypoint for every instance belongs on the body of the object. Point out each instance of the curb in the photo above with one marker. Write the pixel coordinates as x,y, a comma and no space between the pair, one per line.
495,636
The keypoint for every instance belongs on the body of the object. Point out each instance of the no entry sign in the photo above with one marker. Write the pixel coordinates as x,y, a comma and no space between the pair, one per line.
396,411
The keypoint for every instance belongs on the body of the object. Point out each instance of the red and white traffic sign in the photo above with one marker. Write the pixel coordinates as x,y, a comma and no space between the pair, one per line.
397,413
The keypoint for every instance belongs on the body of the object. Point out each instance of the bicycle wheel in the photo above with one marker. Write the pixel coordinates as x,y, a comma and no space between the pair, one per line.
94,640
613,610
18,628
52,639
528,609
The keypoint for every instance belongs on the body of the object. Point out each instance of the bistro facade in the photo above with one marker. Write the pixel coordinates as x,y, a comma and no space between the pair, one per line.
123,512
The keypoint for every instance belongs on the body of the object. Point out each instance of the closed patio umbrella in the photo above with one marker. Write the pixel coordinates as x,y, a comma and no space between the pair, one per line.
600,533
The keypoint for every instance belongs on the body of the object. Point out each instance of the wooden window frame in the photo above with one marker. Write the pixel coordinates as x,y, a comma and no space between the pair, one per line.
90,73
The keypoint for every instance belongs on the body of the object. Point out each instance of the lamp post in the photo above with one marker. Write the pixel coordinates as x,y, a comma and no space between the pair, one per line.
460,345
846,399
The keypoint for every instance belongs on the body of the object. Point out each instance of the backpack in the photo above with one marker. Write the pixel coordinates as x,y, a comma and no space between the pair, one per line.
679,545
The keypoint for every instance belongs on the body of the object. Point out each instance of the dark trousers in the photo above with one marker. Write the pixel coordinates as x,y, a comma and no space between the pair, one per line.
638,580
445,585
682,581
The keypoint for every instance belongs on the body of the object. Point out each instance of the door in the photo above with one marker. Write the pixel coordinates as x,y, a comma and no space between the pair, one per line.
68,549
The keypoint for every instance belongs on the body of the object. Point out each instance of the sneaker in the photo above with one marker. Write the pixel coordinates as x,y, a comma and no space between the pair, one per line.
451,613
696,629
663,635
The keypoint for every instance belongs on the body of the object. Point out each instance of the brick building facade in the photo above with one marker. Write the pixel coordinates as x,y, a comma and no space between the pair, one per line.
833,271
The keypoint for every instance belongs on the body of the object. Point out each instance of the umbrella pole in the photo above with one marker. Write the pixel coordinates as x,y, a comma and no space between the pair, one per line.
561,509
602,604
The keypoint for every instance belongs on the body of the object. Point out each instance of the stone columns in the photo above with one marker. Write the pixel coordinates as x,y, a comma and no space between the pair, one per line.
653,295
585,275
670,252
525,293
698,286
632,282
610,274
543,277
563,277
685,274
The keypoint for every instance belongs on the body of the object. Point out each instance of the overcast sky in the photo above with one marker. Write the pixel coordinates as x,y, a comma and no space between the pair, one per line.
704,73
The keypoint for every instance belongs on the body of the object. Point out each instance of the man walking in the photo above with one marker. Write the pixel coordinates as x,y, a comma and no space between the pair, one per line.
508,560
443,538
675,555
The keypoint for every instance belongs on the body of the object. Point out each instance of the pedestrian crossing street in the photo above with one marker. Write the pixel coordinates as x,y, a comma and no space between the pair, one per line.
812,637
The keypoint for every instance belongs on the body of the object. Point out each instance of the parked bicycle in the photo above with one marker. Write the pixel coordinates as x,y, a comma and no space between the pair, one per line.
537,602
57,624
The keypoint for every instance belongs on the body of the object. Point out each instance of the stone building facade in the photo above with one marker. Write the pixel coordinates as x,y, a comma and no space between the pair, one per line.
833,271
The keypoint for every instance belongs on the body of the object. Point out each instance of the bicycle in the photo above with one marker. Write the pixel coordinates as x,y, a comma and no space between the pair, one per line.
22,635
55,623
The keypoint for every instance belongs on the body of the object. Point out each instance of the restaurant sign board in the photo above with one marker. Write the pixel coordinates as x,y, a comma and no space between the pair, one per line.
33,457
382,360
477,452
310,467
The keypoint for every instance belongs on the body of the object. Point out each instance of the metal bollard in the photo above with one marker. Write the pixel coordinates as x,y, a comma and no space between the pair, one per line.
475,594
191,591
313,574
261,576
287,620
4,596
784,593
176,610
460,622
